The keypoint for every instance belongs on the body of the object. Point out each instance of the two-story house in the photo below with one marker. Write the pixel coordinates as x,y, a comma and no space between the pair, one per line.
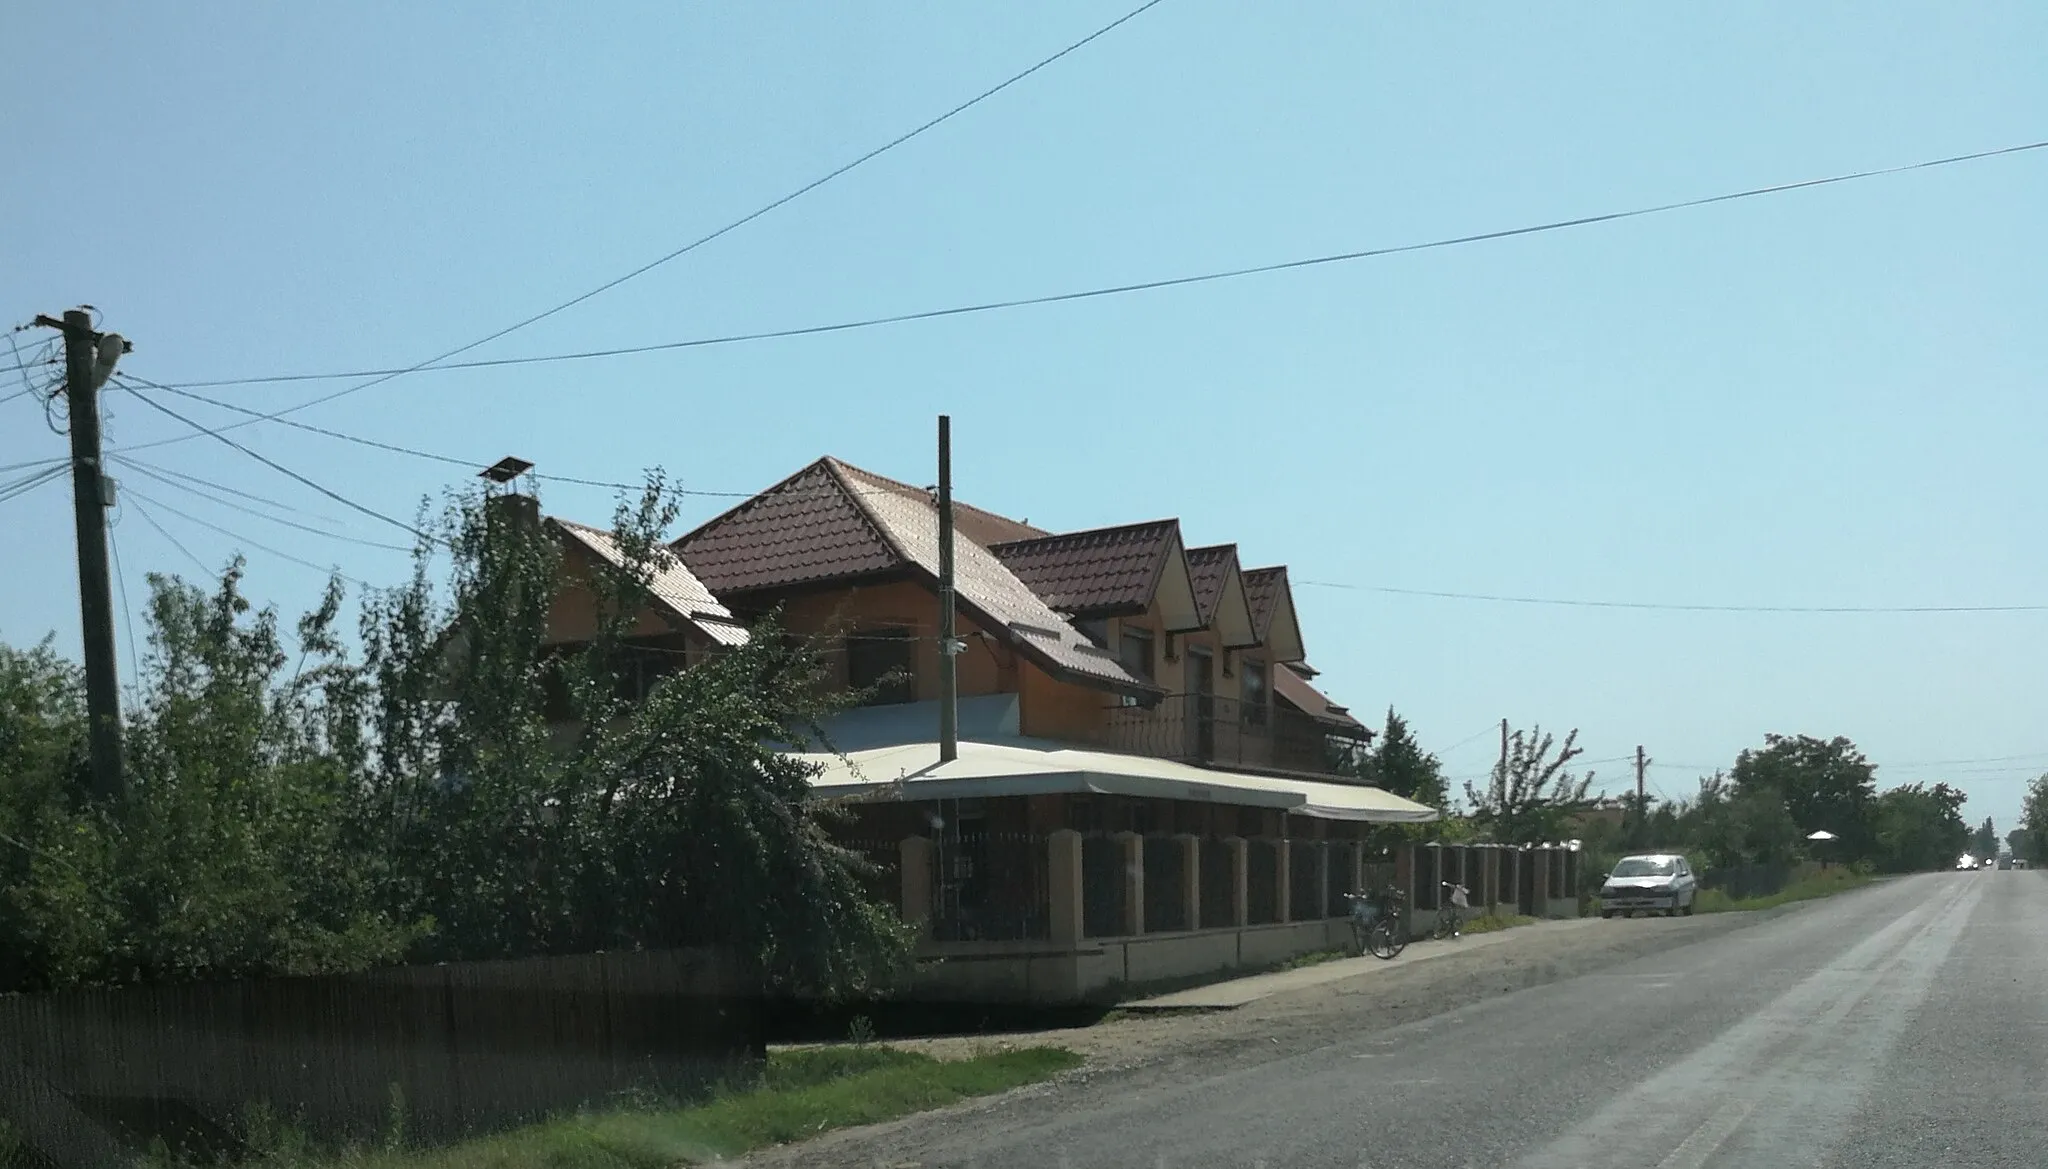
1147,781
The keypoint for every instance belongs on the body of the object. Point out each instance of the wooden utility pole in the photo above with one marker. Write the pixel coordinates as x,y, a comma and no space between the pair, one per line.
88,360
949,645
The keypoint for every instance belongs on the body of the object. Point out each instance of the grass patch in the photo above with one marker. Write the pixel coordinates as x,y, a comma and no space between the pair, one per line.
1825,883
1315,958
800,1094
1491,922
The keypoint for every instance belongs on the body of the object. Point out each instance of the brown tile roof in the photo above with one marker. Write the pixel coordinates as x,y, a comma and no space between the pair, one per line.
673,586
1262,588
1210,567
1295,690
834,521
1102,572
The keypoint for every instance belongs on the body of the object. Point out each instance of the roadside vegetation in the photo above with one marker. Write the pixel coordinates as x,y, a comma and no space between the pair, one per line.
798,1094
1825,883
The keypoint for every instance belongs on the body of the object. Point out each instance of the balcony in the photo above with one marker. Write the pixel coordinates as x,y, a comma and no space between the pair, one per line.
1226,732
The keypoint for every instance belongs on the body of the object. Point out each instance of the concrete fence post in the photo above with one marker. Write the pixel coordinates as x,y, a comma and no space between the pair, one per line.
1063,885
1134,882
915,863
1190,881
1240,880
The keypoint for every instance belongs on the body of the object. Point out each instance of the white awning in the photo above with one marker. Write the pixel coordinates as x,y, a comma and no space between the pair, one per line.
912,771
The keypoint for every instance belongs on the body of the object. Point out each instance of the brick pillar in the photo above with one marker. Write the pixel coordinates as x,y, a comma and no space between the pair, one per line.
1063,883
915,853
1283,859
1191,880
1240,880
1357,867
1134,882
1323,878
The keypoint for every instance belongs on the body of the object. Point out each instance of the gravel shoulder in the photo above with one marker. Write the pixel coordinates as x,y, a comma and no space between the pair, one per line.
1138,1051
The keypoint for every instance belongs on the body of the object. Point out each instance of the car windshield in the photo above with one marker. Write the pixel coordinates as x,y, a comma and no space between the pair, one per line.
1641,866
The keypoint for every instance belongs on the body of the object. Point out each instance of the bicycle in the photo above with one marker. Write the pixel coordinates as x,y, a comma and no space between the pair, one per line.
1377,927
1449,923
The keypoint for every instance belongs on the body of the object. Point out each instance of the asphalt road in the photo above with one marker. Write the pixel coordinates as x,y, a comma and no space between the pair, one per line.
1900,1025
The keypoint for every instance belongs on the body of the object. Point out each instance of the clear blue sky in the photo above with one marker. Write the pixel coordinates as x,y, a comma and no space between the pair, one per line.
1827,397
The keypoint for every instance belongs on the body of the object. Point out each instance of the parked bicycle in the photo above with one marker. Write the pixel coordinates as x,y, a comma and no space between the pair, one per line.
1450,919
1378,924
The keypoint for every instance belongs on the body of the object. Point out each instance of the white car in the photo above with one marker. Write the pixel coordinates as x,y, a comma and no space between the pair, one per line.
1649,882
1966,863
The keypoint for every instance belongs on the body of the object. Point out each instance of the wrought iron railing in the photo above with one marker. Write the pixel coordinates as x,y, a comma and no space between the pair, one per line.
1205,728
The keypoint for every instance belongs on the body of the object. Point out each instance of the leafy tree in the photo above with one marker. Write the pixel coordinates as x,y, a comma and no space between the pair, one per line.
300,811
1824,784
1920,828
1398,763
1984,841
1532,794
2016,842
1733,826
2034,822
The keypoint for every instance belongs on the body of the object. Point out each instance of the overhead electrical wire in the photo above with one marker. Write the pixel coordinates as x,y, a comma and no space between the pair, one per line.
237,536
247,510
222,487
1669,607
127,613
28,483
149,519
280,468
1093,293
381,376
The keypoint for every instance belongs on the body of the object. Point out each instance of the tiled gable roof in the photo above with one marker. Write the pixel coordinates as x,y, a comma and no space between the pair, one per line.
1101,572
1270,596
834,521
1262,587
672,585
1296,691
1210,567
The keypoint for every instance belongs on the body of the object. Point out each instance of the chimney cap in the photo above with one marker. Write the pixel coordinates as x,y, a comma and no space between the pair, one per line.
505,470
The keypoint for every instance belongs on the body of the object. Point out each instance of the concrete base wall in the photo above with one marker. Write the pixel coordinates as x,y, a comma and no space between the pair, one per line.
1026,972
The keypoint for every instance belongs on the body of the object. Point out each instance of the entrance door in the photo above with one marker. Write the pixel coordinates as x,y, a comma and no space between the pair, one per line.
1201,702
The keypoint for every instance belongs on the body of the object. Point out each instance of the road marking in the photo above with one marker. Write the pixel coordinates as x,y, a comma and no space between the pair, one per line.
1713,1132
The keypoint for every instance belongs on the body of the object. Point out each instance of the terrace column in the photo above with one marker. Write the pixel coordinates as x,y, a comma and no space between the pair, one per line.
1283,895
1322,908
915,853
1240,880
1134,882
1063,885
1191,881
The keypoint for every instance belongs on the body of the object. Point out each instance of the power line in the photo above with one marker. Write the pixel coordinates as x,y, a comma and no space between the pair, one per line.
246,510
1110,290
278,467
236,491
32,463
232,535
1671,607
175,542
28,483
382,376
127,614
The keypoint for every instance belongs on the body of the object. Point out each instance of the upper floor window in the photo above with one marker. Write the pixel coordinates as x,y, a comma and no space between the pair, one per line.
1134,650
882,659
1253,673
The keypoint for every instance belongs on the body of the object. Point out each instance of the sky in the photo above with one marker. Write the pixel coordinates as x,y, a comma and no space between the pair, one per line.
1827,397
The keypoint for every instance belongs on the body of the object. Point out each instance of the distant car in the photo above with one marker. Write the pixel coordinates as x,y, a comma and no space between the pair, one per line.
1650,882
1966,863
2004,862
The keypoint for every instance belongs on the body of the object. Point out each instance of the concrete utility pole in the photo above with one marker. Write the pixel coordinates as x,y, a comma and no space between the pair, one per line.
949,645
1642,805
89,359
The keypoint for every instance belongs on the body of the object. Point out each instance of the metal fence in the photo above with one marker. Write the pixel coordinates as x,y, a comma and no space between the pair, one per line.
1166,900
93,1077
1204,728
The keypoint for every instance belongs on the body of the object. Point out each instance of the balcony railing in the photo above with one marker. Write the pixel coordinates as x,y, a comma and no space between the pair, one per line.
1204,728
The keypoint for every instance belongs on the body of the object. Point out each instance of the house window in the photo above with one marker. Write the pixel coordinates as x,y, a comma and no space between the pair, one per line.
1096,630
1253,673
879,660
1135,652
